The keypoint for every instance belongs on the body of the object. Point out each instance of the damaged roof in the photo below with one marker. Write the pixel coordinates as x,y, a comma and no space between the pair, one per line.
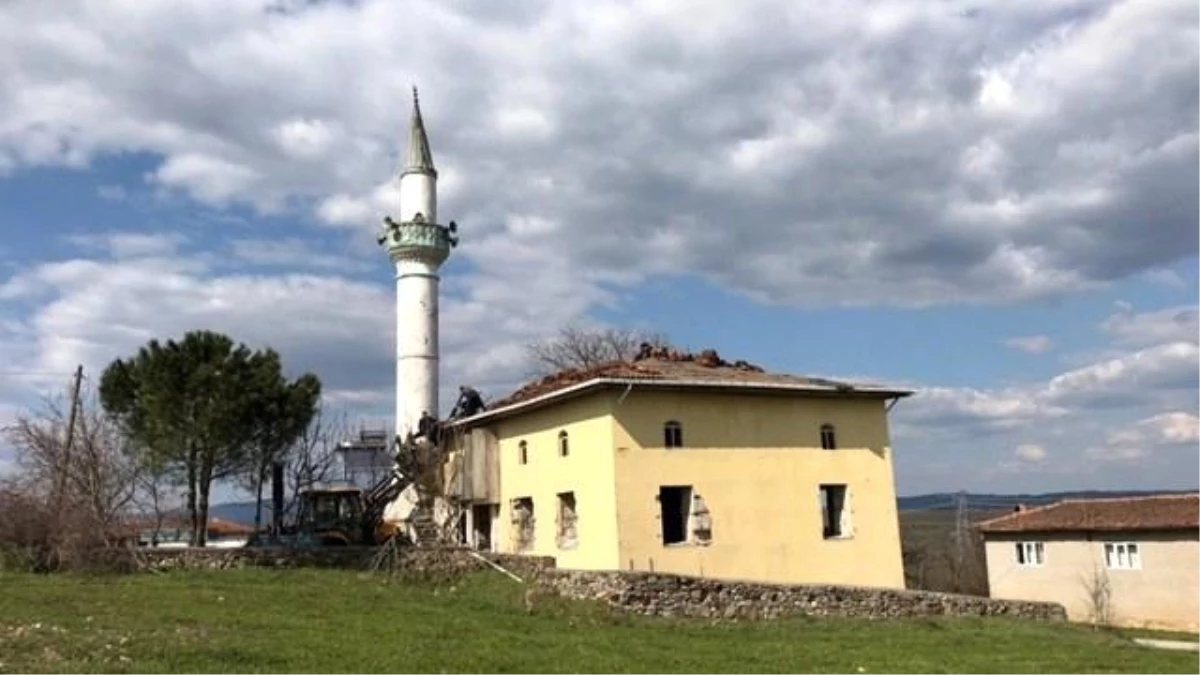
1124,514
671,369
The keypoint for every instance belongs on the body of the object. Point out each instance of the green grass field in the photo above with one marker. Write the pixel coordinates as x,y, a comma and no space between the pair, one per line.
328,621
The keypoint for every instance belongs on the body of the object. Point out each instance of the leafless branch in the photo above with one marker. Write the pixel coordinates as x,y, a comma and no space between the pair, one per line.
313,459
82,492
577,347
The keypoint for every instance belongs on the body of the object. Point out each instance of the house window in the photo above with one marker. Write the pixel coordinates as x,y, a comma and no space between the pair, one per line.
567,520
1031,553
523,452
675,505
522,523
835,514
828,437
673,434
563,447
1122,556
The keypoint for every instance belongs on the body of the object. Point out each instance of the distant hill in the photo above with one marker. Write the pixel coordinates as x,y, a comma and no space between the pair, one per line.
243,512
996,502
240,512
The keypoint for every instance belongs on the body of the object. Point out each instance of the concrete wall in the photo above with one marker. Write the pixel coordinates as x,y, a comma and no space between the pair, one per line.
587,471
757,462
1162,594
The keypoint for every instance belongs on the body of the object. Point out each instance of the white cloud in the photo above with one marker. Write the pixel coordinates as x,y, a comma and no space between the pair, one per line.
906,154
293,253
1173,428
208,179
1173,324
1030,344
1114,381
1030,452
305,139
123,245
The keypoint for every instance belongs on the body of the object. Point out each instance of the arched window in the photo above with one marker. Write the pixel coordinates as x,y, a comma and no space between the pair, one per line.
523,452
564,448
673,434
828,437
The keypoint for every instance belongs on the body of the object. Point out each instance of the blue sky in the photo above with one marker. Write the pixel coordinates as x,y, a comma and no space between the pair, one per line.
993,204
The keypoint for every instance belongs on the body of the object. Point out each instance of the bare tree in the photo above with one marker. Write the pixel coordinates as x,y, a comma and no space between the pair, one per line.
1098,588
576,347
75,473
313,457
155,496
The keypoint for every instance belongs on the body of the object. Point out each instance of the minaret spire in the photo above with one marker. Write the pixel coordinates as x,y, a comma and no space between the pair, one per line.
420,159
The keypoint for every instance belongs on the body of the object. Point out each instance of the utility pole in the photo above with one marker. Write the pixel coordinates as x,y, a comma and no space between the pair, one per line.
74,409
961,528
64,461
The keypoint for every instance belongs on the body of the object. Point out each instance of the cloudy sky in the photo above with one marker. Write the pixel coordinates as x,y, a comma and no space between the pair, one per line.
994,203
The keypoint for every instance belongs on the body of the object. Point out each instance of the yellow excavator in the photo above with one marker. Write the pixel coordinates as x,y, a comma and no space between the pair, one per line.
345,514
336,514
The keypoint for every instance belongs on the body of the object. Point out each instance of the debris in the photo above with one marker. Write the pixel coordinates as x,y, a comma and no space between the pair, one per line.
496,567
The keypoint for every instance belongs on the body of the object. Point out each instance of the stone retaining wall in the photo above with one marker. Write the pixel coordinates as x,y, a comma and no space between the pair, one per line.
646,593
428,561
654,594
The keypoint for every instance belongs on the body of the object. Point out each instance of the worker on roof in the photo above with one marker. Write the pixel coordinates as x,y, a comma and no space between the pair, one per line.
469,403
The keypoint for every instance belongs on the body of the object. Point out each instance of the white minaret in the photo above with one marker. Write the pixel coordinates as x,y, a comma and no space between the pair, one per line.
417,246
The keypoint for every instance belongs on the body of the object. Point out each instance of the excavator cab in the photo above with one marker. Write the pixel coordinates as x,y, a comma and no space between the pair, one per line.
332,515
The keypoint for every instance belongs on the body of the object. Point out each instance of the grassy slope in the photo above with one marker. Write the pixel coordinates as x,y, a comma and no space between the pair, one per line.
322,621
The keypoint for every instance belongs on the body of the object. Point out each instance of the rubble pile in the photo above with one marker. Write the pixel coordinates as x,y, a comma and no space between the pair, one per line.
708,358
650,363
566,378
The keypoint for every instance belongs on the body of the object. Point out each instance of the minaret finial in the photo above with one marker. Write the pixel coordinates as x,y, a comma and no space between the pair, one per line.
419,156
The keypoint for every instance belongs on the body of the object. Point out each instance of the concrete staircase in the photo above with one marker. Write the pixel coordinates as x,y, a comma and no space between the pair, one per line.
424,529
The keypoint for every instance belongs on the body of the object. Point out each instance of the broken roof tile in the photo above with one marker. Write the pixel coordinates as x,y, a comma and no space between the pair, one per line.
664,364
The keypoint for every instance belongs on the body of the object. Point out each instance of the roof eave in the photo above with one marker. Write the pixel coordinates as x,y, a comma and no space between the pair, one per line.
687,384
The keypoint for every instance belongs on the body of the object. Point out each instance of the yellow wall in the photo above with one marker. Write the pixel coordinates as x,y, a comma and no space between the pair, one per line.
756,461
1162,594
587,471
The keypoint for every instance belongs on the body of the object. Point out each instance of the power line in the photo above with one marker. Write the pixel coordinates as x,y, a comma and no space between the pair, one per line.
57,373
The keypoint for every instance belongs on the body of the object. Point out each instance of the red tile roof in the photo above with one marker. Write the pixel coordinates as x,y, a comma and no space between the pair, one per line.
1158,512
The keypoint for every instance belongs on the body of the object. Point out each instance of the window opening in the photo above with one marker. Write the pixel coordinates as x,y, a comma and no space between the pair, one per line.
835,517
675,502
673,434
828,437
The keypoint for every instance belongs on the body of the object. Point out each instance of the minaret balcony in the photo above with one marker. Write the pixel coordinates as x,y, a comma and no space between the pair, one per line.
418,240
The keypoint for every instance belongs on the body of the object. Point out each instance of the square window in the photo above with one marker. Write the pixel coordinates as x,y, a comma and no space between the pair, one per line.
1122,556
1031,553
